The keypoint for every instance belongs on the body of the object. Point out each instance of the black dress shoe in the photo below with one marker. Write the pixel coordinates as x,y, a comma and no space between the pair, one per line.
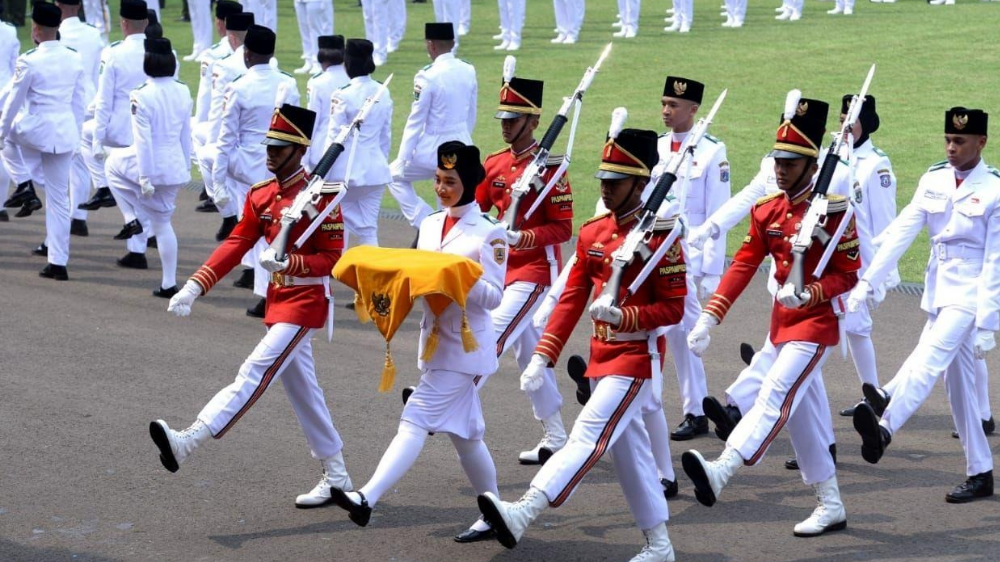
167,293
746,353
407,392
246,279
978,486
42,250
792,464
471,535
78,227
669,488
349,305
133,260
257,310
23,192
207,206
227,226
849,412
129,229
4,217
577,369
102,198
57,272
989,427
360,514
203,196
877,398
691,427
30,206
725,417
874,437
151,242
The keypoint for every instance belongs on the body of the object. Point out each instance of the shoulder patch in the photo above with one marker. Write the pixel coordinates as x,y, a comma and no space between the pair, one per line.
286,74
491,219
993,171
767,198
224,57
426,67
879,151
332,187
555,160
497,153
317,75
30,51
436,212
116,43
90,24
141,86
180,81
260,185
234,80
938,166
710,138
596,218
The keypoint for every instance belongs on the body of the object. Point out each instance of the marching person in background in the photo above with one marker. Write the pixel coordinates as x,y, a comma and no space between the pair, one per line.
96,13
315,18
203,100
569,20
298,295
378,28
320,88
958,200
682,18
200,15
511,24
444,108
147,176
266,12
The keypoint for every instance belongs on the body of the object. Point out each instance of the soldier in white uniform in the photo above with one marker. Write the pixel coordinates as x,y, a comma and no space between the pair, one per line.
628,12
447,397
370,171
444,108
569,20
147,176
10,47
315,18
200,14
266,12
511,24
378,27
397,25
98,15
48,86
203,100
320,88
958,200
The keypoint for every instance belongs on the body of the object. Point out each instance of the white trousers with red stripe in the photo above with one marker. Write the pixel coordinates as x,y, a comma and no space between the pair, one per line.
286,353
611,421
790,392
515,330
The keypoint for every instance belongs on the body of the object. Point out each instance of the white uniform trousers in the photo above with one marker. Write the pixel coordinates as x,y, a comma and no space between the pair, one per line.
514,329
13,164
512,19
857,327
845,4
447,402
95,166
611,421
378,26
690,368
4,179
684,10
737,9
360,208
413,207
945,347
285,352
653,416
629,10
201,24
464,15
791,392
97,14
79,186
315,19
55,170
447,11
561,8
397,22
983,389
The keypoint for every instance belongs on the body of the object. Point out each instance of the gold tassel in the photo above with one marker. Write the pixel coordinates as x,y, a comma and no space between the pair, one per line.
361,310
468,338
431,345
388,372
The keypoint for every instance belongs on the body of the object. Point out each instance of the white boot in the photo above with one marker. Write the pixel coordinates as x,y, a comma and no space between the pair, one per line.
502,46
304,69
334,475
559,38
835,11
621,32
685,27
674,26
175,446
828,516
658,547
510,520
796,16
784,15
631,32
514,45
553,439
710,478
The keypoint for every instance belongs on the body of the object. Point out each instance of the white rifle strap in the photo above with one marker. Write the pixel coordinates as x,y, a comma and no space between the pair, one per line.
541,316
336,200
656,363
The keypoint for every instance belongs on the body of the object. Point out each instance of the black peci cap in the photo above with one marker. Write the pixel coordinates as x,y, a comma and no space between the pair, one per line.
133,10
158,46
240,21
962,121
682,88
260,40
464,159
439,31
225,8
335,42
45,14
868,116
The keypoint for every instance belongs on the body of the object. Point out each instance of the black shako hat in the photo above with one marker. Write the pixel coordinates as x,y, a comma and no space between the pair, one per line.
632,153
802,135
290,124
520,96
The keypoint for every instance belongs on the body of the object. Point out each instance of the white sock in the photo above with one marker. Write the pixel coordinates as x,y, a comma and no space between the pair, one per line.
863,354
480,525
659,439
983,389
396,461
166,242
477,464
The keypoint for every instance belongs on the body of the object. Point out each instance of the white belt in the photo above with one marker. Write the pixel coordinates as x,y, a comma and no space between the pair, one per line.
446,130
281,280
605,332
946,251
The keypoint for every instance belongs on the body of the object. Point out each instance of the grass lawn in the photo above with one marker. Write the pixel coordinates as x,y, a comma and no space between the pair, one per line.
929,58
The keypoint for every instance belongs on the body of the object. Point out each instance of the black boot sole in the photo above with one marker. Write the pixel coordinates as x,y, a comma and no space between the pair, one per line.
835,527
696,472
159,436
866,424
359,514
492,516
718,415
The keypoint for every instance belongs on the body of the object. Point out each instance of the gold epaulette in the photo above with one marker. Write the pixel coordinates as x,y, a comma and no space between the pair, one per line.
497,153
838,204
767,198
597,218
260,184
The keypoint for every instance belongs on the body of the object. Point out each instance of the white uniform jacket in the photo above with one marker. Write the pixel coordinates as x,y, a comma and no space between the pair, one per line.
10,47
161,129
873,196
964,228
207,60
482,240
48,87
444,109
318,91
371,157
246,117
121,72
86,40
224,71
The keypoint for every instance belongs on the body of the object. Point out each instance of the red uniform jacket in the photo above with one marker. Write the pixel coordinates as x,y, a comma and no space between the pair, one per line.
550,224
305,305
658,302
775,221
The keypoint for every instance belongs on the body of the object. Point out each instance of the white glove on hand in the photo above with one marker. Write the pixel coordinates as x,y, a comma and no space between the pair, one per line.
707,286
984,342
513,237
269,261
396,167
789,298
146,187
697,237
534,375
892,280
97,148
858,295
698,337
603,311
876,297
180,304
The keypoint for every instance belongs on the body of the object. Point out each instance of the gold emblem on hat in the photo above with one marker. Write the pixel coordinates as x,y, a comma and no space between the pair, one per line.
802,109
448,161
381,304
959,121
680,87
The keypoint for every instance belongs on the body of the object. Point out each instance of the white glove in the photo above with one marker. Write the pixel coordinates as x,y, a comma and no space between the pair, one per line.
221,199
146,187
513,237
698,337
180,304
269,261
97,147
984,342
707,286
789,298
858,295
396,167
541,317
534,375
876,297
697,237
603,311
892,280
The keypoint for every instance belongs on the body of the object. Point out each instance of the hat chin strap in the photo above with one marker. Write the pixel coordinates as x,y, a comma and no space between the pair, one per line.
618,210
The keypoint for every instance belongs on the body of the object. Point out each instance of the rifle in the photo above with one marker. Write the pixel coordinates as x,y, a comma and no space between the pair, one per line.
814,221
531,178
310,196
639,237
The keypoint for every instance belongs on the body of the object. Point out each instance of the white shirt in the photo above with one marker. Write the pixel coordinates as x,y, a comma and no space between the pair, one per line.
873,196
161,130
121,72
224,71
9,49
86,40
207,59
318,91
371,157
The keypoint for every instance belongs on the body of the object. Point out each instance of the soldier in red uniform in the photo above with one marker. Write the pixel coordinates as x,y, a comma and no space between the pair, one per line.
297,305
619,368
803,327
534,249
